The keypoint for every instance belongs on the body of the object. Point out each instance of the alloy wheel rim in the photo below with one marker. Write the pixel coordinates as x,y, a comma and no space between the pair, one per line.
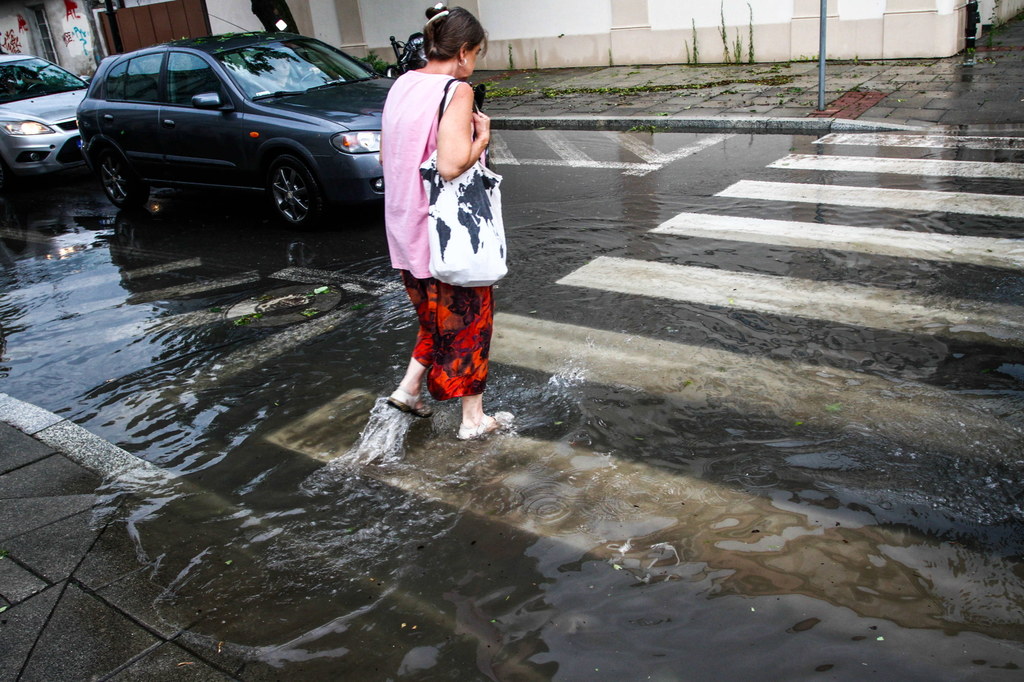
113,179
291,195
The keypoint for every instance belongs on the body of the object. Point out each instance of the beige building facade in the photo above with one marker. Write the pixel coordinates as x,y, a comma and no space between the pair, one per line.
559,33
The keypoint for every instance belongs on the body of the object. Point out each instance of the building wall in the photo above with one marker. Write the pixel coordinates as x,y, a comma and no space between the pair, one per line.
540,33
70,27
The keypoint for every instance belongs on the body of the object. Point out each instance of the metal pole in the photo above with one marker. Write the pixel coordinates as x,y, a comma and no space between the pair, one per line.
821,55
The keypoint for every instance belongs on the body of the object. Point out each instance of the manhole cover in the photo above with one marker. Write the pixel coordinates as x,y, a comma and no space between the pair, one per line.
285,306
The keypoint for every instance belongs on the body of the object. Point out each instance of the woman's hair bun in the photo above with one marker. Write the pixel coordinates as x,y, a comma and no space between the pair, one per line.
434,10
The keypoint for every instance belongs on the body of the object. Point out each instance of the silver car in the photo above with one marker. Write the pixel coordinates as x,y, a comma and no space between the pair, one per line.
38,129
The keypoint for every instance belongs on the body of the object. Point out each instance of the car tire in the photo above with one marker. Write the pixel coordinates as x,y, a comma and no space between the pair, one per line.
122,186
294,193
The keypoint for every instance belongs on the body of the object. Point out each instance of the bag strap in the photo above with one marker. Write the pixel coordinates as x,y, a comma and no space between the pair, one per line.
445,99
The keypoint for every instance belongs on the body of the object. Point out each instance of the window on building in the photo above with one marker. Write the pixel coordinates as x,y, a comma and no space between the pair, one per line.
42,38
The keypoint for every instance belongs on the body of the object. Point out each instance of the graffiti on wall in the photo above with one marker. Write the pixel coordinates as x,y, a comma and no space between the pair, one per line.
71,10
11,42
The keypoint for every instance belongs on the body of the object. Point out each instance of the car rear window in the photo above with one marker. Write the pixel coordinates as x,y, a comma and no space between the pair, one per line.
136,79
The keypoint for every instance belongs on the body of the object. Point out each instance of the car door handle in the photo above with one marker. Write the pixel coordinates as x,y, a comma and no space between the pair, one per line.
108,117
167,123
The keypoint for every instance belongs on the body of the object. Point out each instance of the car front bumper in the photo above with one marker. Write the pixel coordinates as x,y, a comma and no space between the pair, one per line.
41,154
351,178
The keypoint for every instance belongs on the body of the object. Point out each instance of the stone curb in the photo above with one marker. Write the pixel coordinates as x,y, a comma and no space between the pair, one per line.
676,123
76,443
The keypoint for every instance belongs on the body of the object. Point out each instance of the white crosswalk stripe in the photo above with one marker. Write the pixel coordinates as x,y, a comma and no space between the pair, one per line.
913,413
844,303
923,167
195,288
922,141
908,412
985,251
996,205
570,155
162,268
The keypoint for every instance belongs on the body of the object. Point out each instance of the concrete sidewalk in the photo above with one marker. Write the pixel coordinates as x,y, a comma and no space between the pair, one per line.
871,95
76,596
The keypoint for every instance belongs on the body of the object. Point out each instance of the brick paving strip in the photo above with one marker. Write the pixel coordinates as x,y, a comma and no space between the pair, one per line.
851,105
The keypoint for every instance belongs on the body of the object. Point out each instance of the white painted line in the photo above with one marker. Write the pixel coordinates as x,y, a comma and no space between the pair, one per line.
871,197
862,306
162,268
926,167
637,147
500,153
632,168
194,288
569,153
261,352
998,253
683,152
315,276
916,415
922,141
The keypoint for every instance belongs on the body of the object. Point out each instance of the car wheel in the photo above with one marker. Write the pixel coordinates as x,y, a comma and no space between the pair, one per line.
120,183
294,193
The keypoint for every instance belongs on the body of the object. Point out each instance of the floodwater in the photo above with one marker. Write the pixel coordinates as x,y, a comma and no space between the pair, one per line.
695,489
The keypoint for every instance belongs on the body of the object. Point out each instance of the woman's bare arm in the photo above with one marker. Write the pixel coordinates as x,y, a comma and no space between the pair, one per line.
462,135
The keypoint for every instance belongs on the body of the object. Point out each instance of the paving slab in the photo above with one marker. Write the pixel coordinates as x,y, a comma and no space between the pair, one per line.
84,639
55,475
20,626
112,557
18,449
16,583
54,551
23,515
170,662
149,603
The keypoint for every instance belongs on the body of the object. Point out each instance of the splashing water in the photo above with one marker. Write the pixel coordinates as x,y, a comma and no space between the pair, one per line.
383,439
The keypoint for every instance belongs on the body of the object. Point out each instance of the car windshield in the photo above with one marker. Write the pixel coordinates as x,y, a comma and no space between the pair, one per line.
290,67
27,78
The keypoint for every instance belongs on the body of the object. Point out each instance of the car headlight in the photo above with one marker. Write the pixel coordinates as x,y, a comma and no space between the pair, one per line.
361,142
25,128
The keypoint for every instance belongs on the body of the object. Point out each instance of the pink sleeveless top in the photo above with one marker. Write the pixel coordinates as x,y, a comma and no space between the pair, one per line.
408,138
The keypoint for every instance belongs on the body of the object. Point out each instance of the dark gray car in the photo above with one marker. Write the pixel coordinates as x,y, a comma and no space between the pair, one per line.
277,112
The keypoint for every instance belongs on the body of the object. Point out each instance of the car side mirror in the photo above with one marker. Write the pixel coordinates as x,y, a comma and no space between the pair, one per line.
208,100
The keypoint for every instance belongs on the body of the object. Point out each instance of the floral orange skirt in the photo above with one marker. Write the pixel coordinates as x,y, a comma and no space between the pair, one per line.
454,339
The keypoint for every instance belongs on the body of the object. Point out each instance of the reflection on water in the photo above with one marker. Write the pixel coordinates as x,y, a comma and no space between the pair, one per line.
707,513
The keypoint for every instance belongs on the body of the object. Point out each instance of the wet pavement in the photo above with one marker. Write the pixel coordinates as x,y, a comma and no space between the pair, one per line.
897,93
769,415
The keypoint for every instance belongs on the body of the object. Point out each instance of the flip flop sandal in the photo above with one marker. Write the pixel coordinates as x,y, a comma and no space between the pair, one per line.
501,421
400,400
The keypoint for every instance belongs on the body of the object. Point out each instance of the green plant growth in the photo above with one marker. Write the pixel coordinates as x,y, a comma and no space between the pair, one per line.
722,32
375,62
750,36
511,63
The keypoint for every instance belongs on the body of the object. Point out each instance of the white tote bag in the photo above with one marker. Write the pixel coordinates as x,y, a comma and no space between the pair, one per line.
465,227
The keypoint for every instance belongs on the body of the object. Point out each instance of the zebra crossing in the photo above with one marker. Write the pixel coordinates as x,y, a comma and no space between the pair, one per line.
789,388
574,155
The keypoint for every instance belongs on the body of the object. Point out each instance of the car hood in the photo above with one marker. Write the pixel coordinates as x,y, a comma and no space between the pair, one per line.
60,106
353,105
